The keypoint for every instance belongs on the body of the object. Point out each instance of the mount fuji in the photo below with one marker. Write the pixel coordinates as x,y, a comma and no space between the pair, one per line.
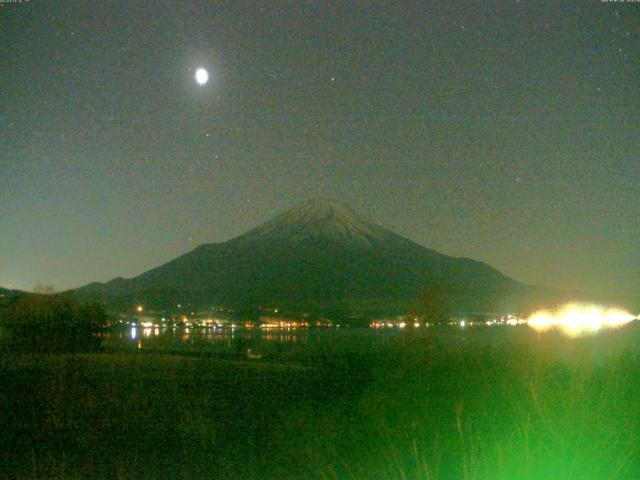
319,256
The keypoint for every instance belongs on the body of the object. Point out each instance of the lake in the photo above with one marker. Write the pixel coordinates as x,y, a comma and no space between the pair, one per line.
307,343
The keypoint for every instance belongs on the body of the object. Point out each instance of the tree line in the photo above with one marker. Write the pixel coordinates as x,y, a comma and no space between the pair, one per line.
51,324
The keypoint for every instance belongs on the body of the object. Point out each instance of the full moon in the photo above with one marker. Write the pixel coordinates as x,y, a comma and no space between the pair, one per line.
202,76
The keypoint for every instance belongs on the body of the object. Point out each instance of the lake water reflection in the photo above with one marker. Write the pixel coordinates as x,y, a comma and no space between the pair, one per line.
308,342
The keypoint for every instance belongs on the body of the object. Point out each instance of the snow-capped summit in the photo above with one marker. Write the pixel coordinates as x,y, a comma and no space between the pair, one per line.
318,220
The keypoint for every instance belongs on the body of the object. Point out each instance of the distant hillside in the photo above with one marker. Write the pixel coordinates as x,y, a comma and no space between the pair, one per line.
8,295
319,257
5,292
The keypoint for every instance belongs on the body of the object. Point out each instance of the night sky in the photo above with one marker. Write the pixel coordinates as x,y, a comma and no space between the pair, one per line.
506,132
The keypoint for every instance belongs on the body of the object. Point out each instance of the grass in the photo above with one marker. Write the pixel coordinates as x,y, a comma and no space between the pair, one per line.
419,408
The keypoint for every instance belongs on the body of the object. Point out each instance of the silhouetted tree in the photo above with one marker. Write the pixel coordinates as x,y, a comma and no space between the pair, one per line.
44,289
431,305
51,323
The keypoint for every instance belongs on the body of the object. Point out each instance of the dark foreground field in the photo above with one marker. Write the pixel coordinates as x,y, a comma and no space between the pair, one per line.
415,410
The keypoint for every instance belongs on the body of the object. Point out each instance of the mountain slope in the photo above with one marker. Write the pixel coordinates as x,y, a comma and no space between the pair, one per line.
7,295
318,256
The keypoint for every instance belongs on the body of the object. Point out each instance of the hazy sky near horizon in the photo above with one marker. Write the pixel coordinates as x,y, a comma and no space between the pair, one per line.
507,132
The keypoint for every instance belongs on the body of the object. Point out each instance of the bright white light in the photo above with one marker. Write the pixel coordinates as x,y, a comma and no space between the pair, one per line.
202,76
575,319
462,323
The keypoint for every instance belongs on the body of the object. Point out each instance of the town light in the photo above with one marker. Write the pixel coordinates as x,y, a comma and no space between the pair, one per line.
575,319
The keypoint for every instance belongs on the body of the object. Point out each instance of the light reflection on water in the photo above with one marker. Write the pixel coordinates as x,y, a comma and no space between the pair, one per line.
228,336
297,343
